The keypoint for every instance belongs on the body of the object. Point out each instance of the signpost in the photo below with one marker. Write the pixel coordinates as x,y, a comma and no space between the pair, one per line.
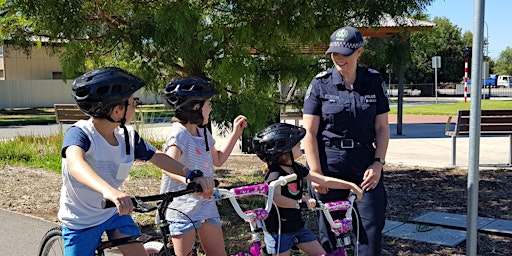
436,63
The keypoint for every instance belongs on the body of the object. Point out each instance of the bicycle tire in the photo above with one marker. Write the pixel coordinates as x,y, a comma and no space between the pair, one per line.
52,243
153,248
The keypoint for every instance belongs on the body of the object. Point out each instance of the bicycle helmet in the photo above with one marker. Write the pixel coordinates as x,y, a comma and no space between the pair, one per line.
276,139
97,91
181,91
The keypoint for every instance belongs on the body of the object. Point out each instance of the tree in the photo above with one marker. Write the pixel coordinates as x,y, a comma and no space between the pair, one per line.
245,48
503,64
443,40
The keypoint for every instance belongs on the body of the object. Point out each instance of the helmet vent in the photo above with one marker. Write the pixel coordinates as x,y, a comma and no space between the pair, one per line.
116,88
102,89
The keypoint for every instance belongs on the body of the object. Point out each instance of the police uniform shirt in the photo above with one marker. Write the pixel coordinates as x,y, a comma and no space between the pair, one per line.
347,113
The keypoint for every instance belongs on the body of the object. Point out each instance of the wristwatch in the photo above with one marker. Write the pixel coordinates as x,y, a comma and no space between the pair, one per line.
299,201
380,160
192,174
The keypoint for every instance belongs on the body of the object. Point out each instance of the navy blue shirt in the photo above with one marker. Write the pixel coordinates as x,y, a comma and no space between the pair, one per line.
346,113
76,136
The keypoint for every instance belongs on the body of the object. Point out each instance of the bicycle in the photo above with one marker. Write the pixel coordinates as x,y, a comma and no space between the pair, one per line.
254,217
342,229
52,242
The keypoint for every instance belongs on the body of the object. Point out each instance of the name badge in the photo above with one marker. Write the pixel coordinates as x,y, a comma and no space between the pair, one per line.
370,98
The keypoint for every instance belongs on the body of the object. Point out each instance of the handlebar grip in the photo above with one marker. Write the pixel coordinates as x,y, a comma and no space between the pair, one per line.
290,177
105,203
198,187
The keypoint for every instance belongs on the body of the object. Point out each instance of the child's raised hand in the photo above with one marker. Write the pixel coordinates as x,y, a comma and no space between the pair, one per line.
239,124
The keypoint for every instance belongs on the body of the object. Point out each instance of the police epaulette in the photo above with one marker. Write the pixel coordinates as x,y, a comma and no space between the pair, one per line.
373,71
322,74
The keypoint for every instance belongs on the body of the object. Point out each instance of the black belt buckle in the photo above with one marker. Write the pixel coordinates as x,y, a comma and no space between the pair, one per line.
347,143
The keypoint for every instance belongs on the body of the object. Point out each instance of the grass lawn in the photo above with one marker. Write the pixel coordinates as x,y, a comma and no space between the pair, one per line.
452,108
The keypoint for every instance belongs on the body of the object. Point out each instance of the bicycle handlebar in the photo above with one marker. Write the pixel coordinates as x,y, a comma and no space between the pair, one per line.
259,189
139,204
337,226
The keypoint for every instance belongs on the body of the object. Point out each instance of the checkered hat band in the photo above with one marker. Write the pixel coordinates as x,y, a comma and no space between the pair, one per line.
347,45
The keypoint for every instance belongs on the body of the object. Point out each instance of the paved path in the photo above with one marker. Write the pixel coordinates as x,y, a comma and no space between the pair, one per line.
21,233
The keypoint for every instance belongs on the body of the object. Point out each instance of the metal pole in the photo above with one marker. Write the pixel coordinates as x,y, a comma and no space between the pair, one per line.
474,129
435,82
465,79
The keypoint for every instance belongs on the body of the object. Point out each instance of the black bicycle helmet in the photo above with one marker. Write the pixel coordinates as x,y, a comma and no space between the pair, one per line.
183,90
97,91
276,139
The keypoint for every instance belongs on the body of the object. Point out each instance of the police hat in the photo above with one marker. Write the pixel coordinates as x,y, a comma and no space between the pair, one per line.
345,41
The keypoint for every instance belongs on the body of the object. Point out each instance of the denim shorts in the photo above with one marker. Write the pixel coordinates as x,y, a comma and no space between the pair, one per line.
84,241
180,228
287,240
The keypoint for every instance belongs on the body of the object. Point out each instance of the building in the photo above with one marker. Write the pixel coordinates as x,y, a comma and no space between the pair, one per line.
41,64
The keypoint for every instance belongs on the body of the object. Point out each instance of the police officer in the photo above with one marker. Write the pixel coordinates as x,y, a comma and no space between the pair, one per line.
347,134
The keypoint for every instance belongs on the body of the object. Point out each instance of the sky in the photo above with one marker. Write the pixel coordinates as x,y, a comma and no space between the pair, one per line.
461,13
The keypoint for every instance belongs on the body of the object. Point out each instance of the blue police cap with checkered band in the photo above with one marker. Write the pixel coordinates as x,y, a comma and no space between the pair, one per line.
345,41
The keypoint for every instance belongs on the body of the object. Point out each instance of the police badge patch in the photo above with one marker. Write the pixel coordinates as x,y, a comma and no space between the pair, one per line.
385,89
308,92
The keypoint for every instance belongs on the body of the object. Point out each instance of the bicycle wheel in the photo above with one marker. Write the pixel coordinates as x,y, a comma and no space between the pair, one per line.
52,243
153,247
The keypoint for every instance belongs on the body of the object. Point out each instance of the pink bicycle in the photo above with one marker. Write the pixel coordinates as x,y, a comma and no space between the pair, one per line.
254,217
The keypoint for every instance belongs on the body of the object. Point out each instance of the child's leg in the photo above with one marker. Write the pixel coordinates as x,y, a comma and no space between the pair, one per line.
211,237
308,243
312,248
183,235
184,243
81,241
134,249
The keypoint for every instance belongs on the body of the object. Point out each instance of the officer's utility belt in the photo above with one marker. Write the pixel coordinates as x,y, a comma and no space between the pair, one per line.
347,143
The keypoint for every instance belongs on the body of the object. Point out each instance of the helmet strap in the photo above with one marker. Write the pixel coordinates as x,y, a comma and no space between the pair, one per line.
205,138
125,130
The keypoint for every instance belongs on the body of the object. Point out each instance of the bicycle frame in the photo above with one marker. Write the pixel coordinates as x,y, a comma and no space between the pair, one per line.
254,217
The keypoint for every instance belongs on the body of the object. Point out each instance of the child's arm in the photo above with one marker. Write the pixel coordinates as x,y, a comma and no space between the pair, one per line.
175,153
331,182
219,156
176,170
83,173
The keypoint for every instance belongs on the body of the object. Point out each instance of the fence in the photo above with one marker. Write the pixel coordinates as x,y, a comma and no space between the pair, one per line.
45,93
445,89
